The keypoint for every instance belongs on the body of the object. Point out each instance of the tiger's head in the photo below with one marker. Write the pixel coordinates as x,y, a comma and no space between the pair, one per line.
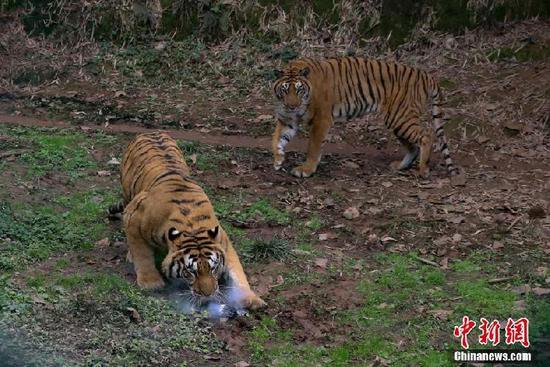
198,259
293,92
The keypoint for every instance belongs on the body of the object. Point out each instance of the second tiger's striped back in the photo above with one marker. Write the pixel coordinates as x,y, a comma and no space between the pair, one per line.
348,87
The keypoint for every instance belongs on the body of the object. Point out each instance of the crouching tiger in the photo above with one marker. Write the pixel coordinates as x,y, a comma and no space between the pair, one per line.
164,208
319,92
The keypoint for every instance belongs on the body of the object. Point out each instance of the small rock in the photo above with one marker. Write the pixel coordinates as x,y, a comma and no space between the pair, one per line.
373,239
450,43
329,202
103,173
497,245
263,118
455,219
120,93
351,213
113,161
458,180
442,241
520,305
441,314
350,164
541,291
513,126
536,212
522,289
387,184
387,239
104,242
134,314
457,237
327,236
321,262
491,106
242,364
159,46
482,139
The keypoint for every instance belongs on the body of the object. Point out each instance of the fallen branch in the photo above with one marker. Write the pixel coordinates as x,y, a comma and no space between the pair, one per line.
513,223
426,261
12,153
500,280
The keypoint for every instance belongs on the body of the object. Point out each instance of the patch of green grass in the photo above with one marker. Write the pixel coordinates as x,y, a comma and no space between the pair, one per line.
208,158
37,281
104,305
33,233
230,208
53,150
447,84
315,223
62,264
480,299
396,319
12,298
261,250
464,266
530,52
288,353
262,210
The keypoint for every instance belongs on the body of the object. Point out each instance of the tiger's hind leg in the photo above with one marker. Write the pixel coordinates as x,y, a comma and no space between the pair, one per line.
425,143
412,132
140,253
409,158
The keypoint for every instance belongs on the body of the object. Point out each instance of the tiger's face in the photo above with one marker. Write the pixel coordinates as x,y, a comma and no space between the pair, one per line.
293,93
199,260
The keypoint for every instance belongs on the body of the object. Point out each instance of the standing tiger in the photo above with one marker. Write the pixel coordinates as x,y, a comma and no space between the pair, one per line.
319,92
164,208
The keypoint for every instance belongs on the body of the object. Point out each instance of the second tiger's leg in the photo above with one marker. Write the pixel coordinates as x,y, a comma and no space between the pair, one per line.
409,158
414,134
282,135
318,133
425,143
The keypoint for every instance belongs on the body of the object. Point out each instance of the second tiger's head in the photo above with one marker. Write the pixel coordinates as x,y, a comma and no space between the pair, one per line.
293,91
199,260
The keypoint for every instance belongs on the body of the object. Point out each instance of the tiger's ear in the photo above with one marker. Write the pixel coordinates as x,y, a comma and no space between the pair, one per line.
214,232
304,72
173,233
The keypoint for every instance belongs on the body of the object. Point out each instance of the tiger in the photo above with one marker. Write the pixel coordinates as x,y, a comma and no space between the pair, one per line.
321,92
163,208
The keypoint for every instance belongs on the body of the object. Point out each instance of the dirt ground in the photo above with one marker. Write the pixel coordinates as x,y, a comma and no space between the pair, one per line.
384,287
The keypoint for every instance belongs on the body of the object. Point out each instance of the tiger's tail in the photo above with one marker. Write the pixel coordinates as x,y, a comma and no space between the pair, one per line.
115,211
438,123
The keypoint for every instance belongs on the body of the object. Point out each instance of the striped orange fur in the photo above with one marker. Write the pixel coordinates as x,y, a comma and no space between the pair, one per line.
165,208
320,92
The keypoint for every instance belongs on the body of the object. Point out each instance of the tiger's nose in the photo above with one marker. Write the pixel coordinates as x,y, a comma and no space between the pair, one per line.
205,286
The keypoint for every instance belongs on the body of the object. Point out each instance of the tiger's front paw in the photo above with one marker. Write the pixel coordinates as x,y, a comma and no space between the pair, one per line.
303,171
150,281
278,160
424,173
253,302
